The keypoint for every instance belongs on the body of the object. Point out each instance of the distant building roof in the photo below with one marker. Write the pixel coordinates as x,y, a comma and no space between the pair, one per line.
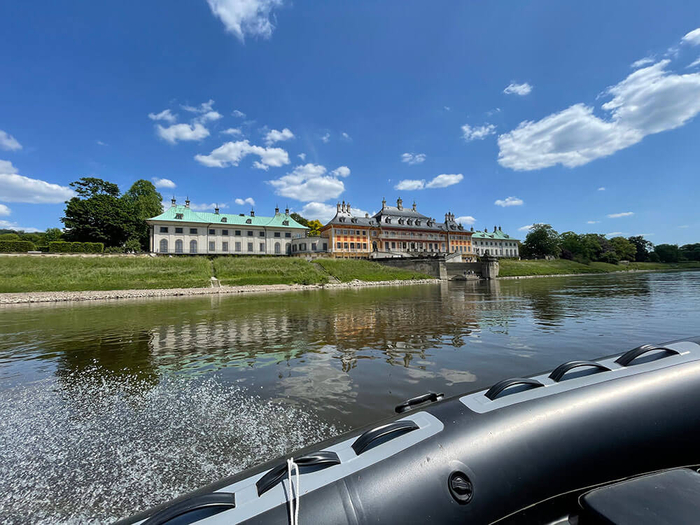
179,213
496,234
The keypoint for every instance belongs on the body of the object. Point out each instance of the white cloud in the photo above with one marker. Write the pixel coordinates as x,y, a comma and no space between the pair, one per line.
445,180
643,62
163,183
613,233
4,210
465,219
509,201
492,112
592,222
602,188
209,116
205,207
16,188
165,115
278,136
246,17
204,107
231,153
470,133
447,108
302,156
14,226
692,38
8,142
309,183
518,89
410,185
525,228
618,215
411,158
341,171
325,212
345,136
238,114
182,132
247,200
326,138
100,143
232,131
650,100
694,63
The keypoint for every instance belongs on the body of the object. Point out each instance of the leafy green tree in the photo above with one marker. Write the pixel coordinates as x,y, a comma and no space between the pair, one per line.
542,241
668,253
691,252
88,187
315,226
142,201
624,249
53,234
644,248
301,220
9,237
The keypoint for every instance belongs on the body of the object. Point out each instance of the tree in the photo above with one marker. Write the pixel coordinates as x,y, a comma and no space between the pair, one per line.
668,253
53,234
142,202
691,252
90,187
301,220
9,237
643,247
315,226
624,249
542,241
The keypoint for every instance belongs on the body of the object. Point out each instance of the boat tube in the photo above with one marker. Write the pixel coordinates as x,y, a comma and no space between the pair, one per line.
526,450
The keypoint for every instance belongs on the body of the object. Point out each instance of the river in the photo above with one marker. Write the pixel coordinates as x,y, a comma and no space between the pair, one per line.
108,408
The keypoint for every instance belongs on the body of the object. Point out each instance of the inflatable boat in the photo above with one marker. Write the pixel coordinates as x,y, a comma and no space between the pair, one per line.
608,441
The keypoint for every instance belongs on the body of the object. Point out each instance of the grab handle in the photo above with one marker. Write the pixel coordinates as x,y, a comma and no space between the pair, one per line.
559,372
499,387
225,500
627,358
397,427
406,405
324,458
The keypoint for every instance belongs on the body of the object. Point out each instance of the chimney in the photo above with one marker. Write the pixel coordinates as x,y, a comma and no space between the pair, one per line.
187,202
447,217
173,202
216,210
472,229
499,229
347,208
252,212
338,207
383,203
277,210
495,229
399,203
414,205
366,215
286,211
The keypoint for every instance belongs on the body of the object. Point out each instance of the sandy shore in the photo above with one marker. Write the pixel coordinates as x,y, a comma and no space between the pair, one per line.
54,297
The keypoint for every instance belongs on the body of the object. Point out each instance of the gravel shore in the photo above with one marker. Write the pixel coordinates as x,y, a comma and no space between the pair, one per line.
54,297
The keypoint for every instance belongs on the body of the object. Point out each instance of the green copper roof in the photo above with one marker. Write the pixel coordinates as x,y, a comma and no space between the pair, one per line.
497,234
185,214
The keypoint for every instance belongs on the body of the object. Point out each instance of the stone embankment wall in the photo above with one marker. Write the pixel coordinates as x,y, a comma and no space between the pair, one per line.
439,268
430,266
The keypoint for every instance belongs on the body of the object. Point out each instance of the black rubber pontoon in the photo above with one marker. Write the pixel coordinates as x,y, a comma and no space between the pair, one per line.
527,450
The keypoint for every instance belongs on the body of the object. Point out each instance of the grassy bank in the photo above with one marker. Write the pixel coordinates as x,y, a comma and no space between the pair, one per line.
346,270
513,268
51,274
235,271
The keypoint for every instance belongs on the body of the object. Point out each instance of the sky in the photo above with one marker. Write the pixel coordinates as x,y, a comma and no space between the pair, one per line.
582,115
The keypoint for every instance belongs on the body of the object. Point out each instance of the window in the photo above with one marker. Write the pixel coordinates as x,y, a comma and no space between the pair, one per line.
237,233
163,229
302,247
224,232
352,245
357,232
178,230
212,246
178,246
212,232
238,246
364,245
393,245
277,247
345,245
278,234
250,246
288,234
250,233
224,246
262,246
193,231
286,247
193,246
313,246
285,223
339,245
261,234
164,246
248,221
224,219
325,247
178,215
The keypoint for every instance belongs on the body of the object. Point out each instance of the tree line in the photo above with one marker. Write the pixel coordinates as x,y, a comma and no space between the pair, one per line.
543,241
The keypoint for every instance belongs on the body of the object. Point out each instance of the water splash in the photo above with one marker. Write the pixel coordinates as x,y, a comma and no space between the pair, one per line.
92,449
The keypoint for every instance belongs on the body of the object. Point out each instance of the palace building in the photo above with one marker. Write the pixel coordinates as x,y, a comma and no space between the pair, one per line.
498,244
181,230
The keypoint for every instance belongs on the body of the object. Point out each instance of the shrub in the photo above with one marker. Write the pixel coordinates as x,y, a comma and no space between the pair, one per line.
16,246
609,257
75,247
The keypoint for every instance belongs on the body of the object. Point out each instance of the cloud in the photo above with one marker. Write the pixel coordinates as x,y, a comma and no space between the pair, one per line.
447,108
247,200
205,207
465,219
602,188
309,183
209,116
302,156
325,212
613,233
163,183
692,38
7,225
509,201
278,136
204,107
410,185
525,228
232,131
100,143
8,142
346,137
592,222
643,62
342,171
694,63
411,159
650,100
231,153
492,112
618,215
518,89
326,138
445,180
470,133
4,210
16,188
246,17
182,132
166,115
238,114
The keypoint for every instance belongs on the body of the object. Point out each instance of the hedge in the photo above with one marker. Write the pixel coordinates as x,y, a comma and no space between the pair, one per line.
16,246
76,247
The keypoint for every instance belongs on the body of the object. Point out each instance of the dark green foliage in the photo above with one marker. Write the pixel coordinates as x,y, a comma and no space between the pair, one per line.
624,249
691,252
542,241
53,234
9,237
10,246
644,248
142,201
668,252
301,220
75,247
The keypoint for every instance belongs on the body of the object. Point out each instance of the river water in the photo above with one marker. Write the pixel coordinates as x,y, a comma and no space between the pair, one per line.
109,408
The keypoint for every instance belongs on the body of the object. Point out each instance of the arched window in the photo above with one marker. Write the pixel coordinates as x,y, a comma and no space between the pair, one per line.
193,246
287,249
277,247
164,246
178,246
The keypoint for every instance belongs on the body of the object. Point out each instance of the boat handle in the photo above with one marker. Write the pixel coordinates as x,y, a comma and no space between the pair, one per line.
324,458
627,358
559,372
406,405
493,392
227,500
397,427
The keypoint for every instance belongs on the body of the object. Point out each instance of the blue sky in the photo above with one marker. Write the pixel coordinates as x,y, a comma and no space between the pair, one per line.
582,115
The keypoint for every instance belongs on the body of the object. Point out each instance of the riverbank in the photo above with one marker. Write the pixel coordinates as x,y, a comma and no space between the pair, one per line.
510,268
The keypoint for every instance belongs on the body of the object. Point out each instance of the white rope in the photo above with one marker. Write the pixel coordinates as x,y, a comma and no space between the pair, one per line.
293,494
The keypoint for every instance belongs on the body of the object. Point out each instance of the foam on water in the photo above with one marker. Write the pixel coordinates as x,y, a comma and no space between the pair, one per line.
89,449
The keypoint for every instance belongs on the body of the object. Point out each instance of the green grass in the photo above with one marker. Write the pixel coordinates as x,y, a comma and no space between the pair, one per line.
512,268
346,270
267,270
52,274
